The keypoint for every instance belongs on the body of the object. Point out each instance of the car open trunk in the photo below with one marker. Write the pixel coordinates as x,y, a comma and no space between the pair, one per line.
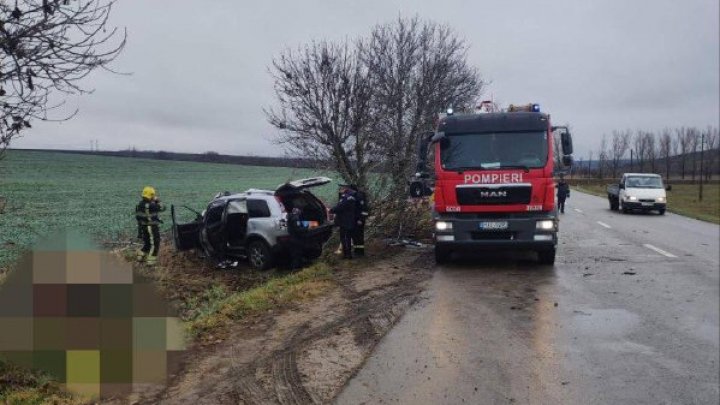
296,195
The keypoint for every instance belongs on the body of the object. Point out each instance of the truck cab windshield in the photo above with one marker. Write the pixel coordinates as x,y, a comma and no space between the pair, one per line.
643,182
494,150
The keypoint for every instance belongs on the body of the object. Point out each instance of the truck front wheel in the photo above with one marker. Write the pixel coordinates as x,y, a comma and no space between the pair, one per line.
441,255
546,256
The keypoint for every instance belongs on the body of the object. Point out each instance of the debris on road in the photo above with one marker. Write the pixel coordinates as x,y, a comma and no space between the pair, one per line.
629,273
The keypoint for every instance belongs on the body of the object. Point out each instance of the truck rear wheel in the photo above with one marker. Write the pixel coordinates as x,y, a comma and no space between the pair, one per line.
546,256
441,255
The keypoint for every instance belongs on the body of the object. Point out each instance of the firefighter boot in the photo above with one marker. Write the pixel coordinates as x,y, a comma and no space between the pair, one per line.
140,256
151,260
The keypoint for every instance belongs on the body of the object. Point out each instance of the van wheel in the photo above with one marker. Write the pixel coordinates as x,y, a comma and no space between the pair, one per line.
441,255
259,255
546,256
623,208
661,211
613,204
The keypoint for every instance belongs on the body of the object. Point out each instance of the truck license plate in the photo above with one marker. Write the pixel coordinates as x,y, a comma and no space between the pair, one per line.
494,225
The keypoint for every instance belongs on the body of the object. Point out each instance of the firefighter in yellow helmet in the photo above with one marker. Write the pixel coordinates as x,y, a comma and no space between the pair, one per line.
149,222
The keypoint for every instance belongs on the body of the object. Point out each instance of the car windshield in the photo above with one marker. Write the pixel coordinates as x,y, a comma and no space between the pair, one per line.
494,150
643,182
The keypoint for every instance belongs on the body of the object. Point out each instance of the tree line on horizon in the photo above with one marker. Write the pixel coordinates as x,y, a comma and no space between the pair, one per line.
671,152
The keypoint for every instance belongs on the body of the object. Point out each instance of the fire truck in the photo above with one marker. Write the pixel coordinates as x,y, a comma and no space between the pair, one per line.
492,185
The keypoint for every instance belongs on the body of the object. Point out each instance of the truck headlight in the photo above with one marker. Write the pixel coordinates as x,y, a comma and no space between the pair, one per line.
546,225
660,199
443,226
631,198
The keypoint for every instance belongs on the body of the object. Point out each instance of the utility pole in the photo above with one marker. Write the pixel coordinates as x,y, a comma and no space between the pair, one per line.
631,160
702,145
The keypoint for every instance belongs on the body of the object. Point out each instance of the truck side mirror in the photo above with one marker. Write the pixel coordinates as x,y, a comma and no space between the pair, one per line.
621,186
567,161
668,188
566,141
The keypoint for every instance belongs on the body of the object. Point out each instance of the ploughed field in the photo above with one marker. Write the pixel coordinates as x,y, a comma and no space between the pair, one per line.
47,190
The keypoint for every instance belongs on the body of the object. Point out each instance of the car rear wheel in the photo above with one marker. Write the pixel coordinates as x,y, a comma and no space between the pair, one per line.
259,255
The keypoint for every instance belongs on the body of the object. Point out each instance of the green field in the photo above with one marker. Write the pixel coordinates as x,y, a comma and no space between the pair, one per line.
47,191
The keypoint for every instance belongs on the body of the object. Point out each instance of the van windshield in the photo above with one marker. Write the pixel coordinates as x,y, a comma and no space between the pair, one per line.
494,150
643,182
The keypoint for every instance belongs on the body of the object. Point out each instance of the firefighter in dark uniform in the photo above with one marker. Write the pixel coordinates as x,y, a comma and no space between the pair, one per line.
146,214
362,211
563,193
346,218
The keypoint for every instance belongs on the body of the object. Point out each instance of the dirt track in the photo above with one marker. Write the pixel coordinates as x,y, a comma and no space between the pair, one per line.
307,353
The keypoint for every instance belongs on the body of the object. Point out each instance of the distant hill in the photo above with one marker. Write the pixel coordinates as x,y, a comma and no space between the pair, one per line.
207,157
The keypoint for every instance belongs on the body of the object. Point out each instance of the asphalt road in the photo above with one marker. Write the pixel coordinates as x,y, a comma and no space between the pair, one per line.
501,329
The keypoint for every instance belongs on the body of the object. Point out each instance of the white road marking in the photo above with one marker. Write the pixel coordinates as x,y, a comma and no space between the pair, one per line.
662,252
578,210
604,224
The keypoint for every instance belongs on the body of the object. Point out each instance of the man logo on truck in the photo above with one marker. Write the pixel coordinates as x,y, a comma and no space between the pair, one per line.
493,194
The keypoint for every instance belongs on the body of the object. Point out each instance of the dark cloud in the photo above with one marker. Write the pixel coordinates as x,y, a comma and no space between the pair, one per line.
200,77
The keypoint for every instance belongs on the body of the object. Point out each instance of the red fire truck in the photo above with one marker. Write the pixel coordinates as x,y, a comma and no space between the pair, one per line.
493,181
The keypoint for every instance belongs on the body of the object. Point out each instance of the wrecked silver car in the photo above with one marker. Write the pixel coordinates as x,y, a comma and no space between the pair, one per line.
253,224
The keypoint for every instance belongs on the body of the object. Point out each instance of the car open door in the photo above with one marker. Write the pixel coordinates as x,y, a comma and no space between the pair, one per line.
186,236
213,237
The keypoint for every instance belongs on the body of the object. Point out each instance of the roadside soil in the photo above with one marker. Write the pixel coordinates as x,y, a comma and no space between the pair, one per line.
307,352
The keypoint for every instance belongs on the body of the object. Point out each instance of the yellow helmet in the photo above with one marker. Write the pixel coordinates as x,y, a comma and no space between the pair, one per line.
148,192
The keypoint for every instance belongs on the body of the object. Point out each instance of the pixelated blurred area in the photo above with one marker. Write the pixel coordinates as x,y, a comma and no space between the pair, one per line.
82,316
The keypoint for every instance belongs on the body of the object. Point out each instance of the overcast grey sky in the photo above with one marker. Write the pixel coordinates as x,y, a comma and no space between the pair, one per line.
200,78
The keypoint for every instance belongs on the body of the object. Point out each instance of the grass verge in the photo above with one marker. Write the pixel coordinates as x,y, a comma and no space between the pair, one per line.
20,386
683,200
220,308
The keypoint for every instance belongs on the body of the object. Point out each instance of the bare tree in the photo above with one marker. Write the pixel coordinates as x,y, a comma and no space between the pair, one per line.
417,70
693,135
665,146
602,156
324,95
618,149
683,143
48,46
650,150
640,143
712,139
590,161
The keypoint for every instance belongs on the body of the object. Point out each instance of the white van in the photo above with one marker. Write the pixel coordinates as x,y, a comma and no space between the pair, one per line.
638,191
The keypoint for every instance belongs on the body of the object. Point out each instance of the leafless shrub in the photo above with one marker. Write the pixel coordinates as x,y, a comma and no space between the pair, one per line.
618,149
48,46
417,70
324,97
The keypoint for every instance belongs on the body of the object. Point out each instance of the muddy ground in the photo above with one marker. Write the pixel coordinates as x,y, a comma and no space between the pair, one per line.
305,353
